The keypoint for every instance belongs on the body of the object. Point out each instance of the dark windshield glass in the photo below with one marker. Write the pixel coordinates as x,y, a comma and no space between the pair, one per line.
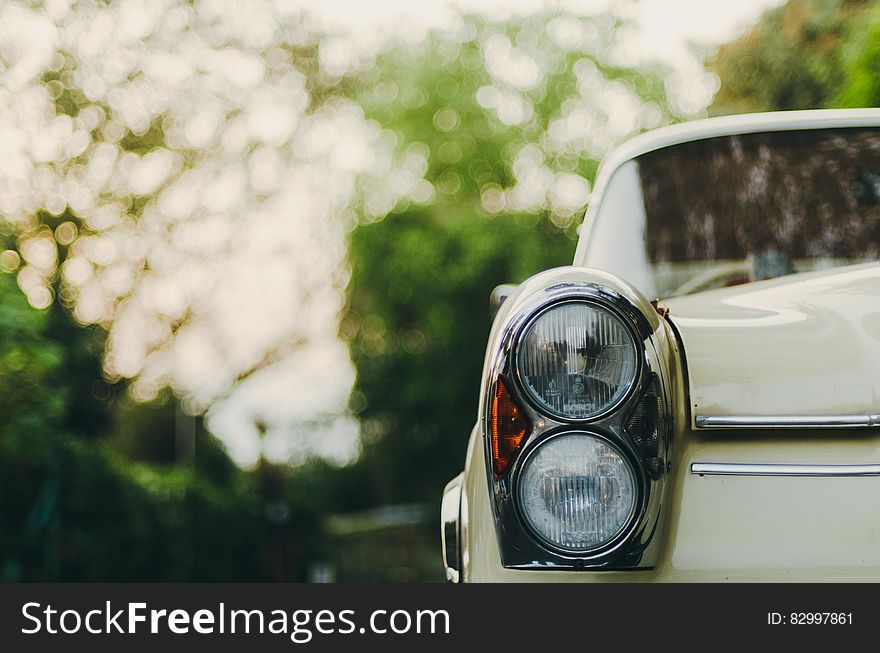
735,209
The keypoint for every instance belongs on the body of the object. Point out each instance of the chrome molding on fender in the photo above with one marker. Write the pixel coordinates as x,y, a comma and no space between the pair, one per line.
787,421
775,469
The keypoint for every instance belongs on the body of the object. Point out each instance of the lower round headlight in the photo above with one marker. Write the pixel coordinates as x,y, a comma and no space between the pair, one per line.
577,492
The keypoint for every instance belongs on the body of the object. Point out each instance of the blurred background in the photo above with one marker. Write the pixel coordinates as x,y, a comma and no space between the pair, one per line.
246,248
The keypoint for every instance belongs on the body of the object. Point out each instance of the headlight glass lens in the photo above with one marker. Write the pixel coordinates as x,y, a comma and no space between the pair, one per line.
577,360
577,492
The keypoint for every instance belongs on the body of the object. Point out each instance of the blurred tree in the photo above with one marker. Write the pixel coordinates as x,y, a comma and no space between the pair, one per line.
806,54
172,171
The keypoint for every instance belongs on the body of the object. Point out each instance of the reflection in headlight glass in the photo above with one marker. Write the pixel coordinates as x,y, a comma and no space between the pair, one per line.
577,360
577,492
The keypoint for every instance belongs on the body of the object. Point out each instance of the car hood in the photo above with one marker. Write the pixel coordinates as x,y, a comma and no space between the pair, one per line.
802,345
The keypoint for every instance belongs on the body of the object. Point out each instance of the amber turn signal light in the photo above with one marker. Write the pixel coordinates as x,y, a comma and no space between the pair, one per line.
508,428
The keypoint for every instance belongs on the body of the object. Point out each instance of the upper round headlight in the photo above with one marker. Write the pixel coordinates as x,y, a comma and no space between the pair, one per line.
577,492
577,360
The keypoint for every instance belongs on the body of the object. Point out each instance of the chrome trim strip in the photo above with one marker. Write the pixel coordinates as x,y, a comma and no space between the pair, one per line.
777,469
787,421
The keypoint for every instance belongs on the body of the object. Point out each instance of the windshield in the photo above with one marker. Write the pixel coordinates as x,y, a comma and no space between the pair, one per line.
735,209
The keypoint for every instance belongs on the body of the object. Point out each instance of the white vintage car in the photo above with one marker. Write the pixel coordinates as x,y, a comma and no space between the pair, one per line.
729,430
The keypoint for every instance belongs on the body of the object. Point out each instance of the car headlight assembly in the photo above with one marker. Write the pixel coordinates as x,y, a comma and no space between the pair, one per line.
577,360
577,492
576,413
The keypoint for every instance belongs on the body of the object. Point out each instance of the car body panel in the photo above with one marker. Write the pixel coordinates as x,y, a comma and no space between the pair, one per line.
806,344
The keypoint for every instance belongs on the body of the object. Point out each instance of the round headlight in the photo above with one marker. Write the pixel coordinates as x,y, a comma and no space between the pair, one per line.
577,360
577,492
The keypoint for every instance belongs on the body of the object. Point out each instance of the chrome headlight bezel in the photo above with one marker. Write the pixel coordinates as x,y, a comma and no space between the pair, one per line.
635,546
520,344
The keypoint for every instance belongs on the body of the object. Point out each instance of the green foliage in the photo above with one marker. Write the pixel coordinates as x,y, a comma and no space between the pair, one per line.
430,98
74,510
89,488
33,401
862,59
806,54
